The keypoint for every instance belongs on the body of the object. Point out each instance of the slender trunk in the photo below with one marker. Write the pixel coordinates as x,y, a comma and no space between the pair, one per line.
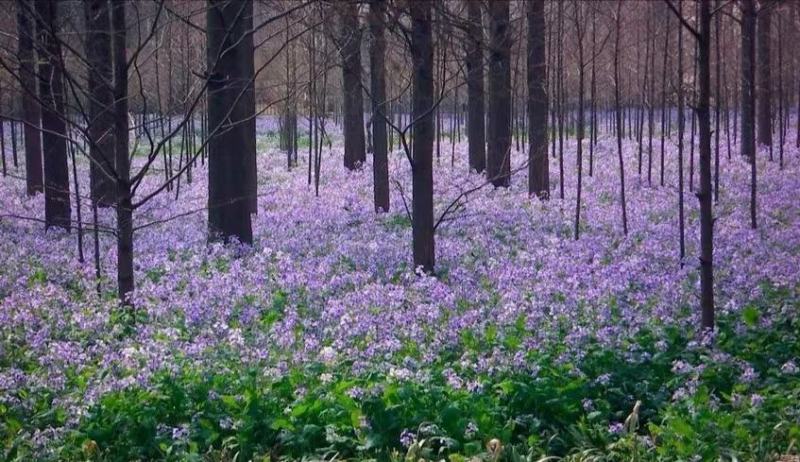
748,98
125,278
619,118
704,187
538,163
354,143
380,164
499,138
422,167
681,123
764,78
57,208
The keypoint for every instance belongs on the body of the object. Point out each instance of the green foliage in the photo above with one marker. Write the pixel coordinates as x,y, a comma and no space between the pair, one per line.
695,404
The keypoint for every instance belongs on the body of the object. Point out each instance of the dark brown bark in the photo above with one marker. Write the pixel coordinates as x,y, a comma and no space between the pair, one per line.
704,187
748,98
101,101
34,180
498,165
350,47
476,130
229,201
125,277
618,107
377,53
57,208
422,104
764,78
249,102
538,163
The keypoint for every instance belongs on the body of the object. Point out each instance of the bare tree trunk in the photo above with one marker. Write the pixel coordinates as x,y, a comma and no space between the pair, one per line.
57,208
681,124
377,52
125,277
579,22
704,187
619,118
354,143
30,107
101,102
499,137
538,163
664,98
228,196
422,167
748,98
764,77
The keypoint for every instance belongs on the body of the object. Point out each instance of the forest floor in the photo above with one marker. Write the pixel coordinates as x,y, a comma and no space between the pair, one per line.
320,340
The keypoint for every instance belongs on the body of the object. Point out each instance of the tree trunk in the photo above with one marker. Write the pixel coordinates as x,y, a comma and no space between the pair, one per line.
377,52
422,105
101,102
476,130
538,163
125,280
57,208
618,105
748,97
764,77
704,187
30,106
354,143
499,137
229,202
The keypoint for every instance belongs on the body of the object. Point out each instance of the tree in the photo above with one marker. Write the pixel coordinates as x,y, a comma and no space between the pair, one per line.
101,101
57,208
125,276
498,166
618,110
538,163
748,97
30,107
764,78
422,226
228,112
476,130
350,48
377,52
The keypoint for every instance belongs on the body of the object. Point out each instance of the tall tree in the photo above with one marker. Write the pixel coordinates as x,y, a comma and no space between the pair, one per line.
618,110
748,97
377,57
538,163
125,276
350,48
498,166
422,226
704,193
476,130
228,196
764,78
30,106
101,101
57,208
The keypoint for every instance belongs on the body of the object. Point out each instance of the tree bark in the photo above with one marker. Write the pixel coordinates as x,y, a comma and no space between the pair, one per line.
57,208
422,106
101,102
377,53
704,193
229,202
476,130
499,137
764,77
31,115
125,277
538,163
354,142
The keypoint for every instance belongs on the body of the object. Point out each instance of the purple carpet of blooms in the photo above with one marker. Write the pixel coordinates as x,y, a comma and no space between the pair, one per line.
328,279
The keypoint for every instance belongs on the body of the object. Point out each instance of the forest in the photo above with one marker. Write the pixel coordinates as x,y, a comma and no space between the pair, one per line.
400,230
